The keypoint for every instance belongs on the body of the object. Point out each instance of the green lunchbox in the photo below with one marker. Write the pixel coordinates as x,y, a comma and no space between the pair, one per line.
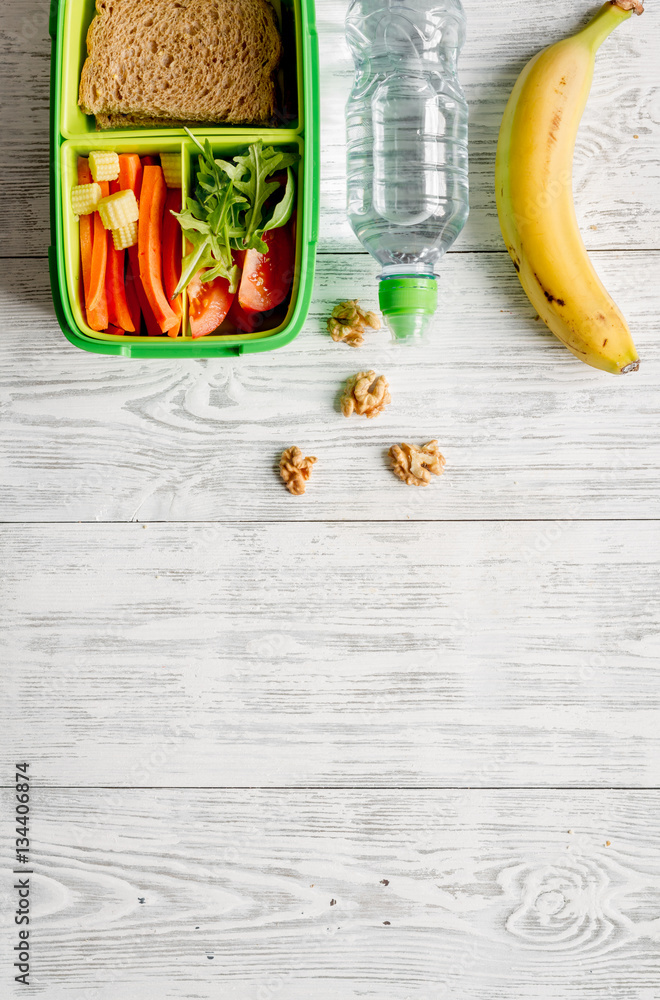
73,133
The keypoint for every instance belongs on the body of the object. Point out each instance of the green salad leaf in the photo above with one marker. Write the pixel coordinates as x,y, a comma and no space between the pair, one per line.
249,175
229,210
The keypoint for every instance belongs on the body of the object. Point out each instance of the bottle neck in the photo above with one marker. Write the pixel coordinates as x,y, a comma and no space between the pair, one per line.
415,270
407,301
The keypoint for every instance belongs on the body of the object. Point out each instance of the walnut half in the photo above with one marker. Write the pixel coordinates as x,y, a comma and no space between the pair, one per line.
348,323
365,394
415,465
295,470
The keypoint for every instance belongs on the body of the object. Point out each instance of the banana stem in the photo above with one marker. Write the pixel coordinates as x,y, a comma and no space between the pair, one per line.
633,5
610,15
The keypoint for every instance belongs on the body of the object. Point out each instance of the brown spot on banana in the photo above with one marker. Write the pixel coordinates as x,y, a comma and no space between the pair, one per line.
556,122
550,297
514,257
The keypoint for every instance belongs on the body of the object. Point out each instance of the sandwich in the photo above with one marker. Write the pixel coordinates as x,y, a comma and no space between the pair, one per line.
181,62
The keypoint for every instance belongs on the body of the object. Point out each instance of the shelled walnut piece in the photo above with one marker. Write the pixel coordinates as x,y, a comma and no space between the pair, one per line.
348,323
295,470
415,465
365,394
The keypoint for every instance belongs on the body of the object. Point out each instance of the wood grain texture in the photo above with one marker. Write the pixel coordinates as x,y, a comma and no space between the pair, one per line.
24,104
527,430
334,654
489,895
367,637
625,102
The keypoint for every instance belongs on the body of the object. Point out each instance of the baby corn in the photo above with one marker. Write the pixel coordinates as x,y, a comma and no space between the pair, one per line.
85,198
119,210
125,237
171,164
104,165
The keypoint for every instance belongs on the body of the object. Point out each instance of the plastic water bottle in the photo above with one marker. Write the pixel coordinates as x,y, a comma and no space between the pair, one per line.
407,124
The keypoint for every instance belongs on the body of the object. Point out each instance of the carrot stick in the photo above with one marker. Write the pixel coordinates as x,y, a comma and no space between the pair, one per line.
97,316
118,311
86,227
150,227
133,280
86,224
84,172
99,259
132,298
130,173
130,178
172,251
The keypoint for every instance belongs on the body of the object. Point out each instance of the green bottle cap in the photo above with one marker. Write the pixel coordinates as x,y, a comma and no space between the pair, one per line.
407,303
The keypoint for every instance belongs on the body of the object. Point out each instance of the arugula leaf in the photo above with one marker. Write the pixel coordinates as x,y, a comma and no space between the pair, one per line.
249,174
228,209
284,208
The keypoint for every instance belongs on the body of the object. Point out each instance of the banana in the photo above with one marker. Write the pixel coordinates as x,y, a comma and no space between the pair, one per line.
534,191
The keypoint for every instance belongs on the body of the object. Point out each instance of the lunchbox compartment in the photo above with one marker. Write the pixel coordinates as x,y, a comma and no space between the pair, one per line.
69,153
275,321
144,145
78,16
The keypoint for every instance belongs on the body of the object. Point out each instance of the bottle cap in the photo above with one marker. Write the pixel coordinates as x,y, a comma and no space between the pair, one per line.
407,303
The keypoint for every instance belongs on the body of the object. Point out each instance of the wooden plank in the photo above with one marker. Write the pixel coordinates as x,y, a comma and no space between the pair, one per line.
475,894
24,154
527,430
331,654
619,136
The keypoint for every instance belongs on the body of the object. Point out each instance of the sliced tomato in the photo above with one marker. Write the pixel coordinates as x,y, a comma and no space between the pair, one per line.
267,277
208,304
243,321
280,178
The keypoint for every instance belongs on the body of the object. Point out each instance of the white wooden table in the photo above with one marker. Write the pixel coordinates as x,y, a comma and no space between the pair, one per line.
370,742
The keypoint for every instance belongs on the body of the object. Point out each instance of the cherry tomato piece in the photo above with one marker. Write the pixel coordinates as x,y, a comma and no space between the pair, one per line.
208,304
267,277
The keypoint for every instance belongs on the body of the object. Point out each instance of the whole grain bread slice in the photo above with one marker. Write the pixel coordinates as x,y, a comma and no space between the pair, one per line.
182,62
